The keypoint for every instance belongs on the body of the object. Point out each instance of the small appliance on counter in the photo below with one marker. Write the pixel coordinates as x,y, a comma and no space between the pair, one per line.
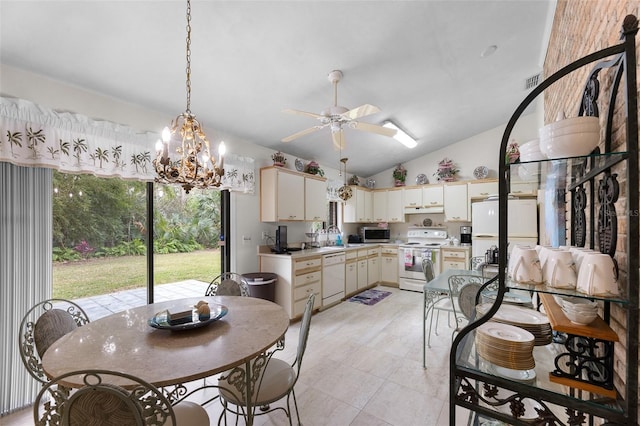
354,239
281,240
465,236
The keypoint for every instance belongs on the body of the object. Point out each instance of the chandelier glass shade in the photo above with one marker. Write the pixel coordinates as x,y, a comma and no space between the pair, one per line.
183,155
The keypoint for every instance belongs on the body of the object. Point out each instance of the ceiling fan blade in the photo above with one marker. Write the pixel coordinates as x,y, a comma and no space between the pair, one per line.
374,128
338,139
302,133
308,114
360,111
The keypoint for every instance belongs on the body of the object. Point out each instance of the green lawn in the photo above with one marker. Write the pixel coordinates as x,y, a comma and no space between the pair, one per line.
74,280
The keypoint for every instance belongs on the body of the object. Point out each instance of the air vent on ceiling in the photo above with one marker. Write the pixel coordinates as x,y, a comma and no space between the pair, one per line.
532,81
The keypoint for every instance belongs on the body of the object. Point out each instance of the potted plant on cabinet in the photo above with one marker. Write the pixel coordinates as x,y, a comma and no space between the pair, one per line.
279,159
446,170
400,175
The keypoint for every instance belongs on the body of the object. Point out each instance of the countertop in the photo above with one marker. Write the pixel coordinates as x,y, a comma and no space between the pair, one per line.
266,250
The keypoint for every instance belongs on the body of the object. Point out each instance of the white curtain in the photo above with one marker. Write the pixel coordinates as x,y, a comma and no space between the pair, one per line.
25,269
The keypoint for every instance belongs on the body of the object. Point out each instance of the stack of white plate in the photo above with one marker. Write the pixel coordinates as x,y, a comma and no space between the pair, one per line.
505,345
526,318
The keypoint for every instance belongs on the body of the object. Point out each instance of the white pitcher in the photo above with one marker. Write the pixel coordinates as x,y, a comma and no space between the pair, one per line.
527,268
598,275
560,270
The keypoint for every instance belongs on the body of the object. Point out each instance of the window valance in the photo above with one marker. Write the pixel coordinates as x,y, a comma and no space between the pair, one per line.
35,136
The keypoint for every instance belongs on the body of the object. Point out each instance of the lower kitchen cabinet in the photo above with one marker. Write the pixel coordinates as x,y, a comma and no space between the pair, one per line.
362,269
373,267
455,258
297,279
389,266
351,273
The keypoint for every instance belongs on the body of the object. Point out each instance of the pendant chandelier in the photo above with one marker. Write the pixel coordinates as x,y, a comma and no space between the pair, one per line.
344,192
183,155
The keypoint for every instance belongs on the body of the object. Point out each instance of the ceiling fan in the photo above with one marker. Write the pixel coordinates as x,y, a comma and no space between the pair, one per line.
336,116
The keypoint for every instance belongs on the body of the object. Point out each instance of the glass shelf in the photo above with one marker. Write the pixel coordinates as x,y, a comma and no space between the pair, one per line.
564,173
541,288
536,385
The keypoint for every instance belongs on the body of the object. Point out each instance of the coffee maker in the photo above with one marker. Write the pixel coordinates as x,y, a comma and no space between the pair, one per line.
465,235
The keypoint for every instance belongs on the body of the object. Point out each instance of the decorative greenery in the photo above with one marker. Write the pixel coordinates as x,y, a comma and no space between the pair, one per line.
314,169
279,159
513,153
446,170
400,174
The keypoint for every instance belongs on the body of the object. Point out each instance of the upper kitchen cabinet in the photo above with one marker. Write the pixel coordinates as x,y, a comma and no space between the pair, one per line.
387,205
286,195
456,202
424,199
315,199
359,208
481,189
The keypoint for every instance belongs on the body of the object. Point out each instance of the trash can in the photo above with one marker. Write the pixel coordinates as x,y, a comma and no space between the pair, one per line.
262,285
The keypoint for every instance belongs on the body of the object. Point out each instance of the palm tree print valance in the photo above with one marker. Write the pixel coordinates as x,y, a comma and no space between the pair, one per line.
35,136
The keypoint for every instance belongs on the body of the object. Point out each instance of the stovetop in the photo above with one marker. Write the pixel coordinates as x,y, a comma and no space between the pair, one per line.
426,237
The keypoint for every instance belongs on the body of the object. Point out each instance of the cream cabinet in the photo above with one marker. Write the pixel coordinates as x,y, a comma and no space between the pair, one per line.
373,267
362,269
395,203
389,266
359,208
315,199
456,203
285,195
480,190
351,272
387,205
455,257
523,188
424,199
380,206
297,279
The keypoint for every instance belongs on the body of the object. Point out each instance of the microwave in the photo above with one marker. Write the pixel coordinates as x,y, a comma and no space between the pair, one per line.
375,235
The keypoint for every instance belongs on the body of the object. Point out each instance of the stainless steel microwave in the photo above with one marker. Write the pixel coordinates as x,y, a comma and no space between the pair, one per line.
371,234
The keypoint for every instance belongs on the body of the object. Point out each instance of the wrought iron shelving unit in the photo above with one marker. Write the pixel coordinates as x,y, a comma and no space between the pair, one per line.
574,381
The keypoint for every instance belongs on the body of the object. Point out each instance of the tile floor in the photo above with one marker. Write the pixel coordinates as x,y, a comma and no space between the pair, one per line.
362,367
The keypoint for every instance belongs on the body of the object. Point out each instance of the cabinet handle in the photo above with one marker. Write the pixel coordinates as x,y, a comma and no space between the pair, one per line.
412,204
516,192
484,193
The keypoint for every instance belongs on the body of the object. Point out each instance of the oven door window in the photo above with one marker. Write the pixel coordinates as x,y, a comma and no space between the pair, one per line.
416,264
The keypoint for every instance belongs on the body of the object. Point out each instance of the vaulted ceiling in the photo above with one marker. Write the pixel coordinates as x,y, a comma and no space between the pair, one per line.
420,62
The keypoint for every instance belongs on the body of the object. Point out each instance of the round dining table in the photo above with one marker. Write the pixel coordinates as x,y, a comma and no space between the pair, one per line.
126,342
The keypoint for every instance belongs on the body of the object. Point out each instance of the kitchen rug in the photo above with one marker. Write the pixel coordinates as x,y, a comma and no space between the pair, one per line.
369,297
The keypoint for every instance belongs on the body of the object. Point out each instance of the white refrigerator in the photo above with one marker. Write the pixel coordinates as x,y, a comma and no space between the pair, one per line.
523,224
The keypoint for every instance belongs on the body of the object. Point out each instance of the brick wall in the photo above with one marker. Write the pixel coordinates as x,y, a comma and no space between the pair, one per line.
581,27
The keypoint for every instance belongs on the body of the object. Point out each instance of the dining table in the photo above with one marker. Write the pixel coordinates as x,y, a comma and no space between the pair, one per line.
434,291
131,342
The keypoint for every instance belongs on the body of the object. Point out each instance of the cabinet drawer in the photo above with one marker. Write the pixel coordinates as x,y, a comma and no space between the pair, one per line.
362,254
351,254
302,293
315,262
373,252
454,264
389,250
307,278
299,305
447,254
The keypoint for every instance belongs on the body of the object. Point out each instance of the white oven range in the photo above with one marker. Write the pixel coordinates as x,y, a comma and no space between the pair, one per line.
421,242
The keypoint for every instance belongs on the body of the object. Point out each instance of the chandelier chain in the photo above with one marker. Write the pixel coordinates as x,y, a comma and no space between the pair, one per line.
188,110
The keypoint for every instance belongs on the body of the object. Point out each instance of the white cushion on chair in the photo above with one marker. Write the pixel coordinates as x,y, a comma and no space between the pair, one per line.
277,381
190,414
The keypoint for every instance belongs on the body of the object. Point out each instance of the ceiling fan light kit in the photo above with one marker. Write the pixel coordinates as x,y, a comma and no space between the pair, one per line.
336,117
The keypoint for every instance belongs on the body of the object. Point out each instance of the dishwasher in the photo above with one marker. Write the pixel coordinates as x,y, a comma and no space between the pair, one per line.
333,275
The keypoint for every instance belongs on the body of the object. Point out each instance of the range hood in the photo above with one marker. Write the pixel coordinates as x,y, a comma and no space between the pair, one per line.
423,210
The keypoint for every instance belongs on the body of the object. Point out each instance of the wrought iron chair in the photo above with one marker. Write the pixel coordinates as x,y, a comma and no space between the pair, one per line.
228,284
42,325
466,287
276,381
102,402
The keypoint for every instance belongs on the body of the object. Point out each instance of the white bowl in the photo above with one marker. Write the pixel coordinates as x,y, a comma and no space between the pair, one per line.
532,145
571,145
585,121
580,317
